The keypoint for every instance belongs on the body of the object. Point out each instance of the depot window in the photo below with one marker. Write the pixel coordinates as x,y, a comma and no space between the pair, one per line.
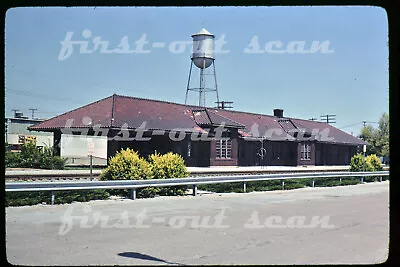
223,149
305,152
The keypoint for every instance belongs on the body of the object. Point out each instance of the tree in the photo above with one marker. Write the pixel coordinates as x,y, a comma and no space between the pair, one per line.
32,156
383,135
377,138
369,134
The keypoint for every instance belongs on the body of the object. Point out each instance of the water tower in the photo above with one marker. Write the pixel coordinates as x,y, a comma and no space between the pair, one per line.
203,57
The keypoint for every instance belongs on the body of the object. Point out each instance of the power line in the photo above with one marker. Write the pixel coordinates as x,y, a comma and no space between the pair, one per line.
364,122
350,125
353,124
40,96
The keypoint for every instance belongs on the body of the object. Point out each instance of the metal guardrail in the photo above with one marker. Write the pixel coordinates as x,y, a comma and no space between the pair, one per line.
134,184
44,175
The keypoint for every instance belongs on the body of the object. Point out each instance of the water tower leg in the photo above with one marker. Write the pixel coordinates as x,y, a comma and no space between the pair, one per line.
201,88
190,74
215,79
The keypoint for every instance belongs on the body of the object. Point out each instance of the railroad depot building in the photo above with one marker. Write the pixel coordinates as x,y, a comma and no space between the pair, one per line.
204,136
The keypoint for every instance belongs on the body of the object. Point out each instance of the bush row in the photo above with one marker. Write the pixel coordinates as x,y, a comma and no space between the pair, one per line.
237,187
128,165
125,165
61,197
32,156
370,163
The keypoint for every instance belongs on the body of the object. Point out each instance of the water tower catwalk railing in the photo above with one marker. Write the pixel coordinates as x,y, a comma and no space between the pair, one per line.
202,57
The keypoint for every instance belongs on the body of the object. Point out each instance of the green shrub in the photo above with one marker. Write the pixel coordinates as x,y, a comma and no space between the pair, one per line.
237,187
350,180
271,185
222,187
166,166
149,192
32,156
169,165
374,162
356,163
12,159
127,165
370,163
295,183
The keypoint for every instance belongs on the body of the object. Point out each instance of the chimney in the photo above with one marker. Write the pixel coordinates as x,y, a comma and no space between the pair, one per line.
278,113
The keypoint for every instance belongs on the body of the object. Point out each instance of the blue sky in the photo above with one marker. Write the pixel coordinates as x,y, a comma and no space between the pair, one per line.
351,82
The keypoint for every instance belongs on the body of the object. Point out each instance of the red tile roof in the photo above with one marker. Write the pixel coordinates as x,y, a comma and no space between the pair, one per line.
201,117
256,125
206,117
99,112
116,111
287,125
323,127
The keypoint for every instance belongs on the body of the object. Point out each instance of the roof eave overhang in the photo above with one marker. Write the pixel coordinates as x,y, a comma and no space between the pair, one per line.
340,143
259,138
221,125
52,129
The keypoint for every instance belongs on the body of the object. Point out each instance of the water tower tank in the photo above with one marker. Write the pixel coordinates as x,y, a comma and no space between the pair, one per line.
203,49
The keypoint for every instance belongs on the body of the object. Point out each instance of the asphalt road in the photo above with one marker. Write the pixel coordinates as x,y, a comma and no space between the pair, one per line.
339,225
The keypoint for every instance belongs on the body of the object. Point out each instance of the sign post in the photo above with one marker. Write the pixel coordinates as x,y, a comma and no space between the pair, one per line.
90,153
364,150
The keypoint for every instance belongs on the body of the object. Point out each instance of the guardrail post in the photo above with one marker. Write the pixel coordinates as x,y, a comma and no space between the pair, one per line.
313,182
194,190
283,184
340,180
133,193
244,187
380,178
361,179
52,197
91,168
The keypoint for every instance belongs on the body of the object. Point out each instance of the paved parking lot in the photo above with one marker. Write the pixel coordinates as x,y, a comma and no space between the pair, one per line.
346,224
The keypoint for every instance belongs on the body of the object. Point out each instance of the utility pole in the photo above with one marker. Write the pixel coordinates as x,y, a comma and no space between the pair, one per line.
222,104
33,112
329,118
364,122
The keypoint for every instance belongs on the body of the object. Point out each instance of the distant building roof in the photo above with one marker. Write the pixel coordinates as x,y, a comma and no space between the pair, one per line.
23,120
116,111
